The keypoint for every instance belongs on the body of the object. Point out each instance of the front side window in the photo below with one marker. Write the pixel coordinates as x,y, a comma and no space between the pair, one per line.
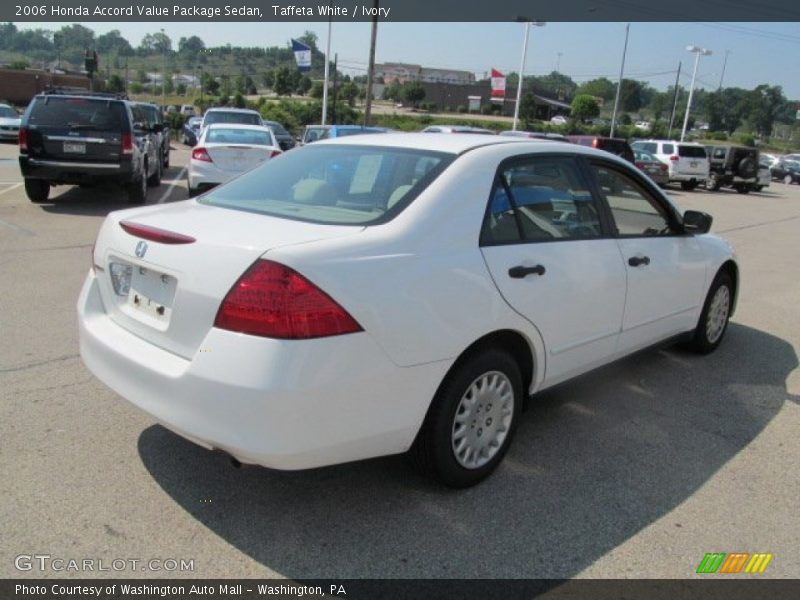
635,212
540,199
347,185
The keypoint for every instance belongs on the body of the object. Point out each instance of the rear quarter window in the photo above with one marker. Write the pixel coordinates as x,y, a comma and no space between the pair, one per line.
692,151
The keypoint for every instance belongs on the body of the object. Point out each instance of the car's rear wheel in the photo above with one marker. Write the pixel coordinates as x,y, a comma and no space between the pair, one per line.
166,158
155,179
688,186
137,190
715,316
471,420
713,183
742,189
37,190
787,179
759,188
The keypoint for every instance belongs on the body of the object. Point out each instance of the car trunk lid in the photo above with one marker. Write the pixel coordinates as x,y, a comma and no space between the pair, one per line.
164,274
240,157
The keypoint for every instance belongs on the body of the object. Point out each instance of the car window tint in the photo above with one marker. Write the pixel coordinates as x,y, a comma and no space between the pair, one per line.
719,153
232,117
231,135
540,199
635,212
8,113
693,151
78,113
347,185
669,149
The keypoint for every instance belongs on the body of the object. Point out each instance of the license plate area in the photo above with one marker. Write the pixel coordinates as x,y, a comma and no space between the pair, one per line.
74,148
150,296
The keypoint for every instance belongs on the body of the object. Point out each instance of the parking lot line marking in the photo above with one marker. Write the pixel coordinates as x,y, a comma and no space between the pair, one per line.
12,186
171,184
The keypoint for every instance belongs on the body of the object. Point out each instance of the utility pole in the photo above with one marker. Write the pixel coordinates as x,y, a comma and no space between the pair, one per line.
335,78
164,74
674,101
371,71
327,74
724,64
619,85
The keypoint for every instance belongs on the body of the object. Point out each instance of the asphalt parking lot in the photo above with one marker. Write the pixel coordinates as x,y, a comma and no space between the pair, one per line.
635,470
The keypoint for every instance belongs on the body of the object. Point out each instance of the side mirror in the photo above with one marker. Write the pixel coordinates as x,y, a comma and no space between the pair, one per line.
695,221
139,127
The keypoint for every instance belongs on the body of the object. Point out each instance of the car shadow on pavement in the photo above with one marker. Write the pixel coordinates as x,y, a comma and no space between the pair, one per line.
594,462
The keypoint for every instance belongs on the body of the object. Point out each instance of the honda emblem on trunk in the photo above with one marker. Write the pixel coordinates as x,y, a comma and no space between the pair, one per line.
141,249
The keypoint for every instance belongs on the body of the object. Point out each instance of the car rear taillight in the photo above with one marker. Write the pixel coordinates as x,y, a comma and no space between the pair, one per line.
23,139
275,153
663,167
155,234
674,157
272,300
595,143
639,164
127,143
201,154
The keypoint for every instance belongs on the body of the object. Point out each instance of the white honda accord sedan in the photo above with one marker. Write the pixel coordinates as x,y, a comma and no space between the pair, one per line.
363,297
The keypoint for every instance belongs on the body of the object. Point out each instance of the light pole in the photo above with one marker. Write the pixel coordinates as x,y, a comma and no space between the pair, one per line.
164,72
528,22
698,52
619,83
724,64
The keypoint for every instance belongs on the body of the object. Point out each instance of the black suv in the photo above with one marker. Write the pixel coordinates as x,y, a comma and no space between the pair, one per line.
85,138
159,127
733,166
283,137
617,146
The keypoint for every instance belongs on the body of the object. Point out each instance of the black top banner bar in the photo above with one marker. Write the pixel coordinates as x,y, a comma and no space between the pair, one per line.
398,10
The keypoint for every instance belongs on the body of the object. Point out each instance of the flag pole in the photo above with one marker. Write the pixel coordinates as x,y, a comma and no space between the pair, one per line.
327,73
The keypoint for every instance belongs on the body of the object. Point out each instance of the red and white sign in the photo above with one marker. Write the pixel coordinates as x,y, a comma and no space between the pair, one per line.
498,84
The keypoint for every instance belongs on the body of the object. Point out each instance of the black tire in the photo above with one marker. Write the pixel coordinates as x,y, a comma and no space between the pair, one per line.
746,168
155,179
688,186
193,192
742,189
137,190
433,450
37,190
166,158
758,188
702,341
712,183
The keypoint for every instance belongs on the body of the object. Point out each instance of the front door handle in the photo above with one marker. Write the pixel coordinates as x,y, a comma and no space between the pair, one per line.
520,272
636,261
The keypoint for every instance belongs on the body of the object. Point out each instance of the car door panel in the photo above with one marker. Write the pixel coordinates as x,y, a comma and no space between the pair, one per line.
545,249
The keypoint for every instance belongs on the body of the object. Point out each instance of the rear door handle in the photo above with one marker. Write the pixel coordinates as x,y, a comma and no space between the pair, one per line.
519,272
636,261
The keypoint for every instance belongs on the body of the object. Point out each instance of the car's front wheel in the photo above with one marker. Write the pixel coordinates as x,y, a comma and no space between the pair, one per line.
37,190
688,186
155,179
137,190
471,420
715,316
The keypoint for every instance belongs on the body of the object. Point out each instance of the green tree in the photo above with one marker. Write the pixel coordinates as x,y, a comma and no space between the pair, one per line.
115,84
192,45
316,90
600,88
113,43
413,92
348,92
282,85
304,86
584,107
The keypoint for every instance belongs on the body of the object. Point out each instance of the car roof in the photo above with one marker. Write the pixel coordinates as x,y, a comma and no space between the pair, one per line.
671,142
455,144
237,126
233,110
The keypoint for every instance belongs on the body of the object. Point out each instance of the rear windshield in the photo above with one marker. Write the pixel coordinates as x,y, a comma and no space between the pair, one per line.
8,113
278,129
232,117
78,113
613,146
346,185
692,151
231,135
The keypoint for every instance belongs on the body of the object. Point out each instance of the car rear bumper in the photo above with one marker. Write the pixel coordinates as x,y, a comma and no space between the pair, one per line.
279,403
64,171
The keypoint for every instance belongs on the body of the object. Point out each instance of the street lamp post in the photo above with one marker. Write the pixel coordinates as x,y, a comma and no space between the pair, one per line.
698,52
528,22
164,75
619,83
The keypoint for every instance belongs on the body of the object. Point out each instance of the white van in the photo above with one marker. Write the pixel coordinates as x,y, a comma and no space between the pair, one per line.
687,162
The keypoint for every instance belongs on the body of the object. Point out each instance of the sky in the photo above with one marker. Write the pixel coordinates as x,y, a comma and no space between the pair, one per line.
756,52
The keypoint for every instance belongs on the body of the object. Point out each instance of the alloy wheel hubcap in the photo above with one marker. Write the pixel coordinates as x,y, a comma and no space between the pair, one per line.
482,420
718,313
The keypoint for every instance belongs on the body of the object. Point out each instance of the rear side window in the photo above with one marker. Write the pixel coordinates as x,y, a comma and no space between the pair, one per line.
540,199
78,113
691,151
668,148
346,185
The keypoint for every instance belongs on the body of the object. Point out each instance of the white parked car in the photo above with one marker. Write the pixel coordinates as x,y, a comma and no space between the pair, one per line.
559,120
643,125
9,123
224,151
688,163
231,116
369,295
